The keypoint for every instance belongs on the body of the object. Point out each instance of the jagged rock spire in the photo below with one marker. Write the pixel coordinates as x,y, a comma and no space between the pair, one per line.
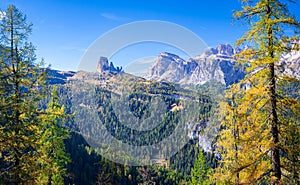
104,65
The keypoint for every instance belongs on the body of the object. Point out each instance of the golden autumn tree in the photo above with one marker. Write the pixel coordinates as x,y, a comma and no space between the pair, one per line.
21,82
31,141
52,155
259,142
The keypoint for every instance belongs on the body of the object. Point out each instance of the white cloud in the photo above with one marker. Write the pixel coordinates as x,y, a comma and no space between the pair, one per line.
113,17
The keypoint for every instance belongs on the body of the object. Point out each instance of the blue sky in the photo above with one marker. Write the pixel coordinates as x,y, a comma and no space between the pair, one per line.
64,29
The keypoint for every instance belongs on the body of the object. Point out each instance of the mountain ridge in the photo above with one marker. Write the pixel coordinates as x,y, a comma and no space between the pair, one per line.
215,64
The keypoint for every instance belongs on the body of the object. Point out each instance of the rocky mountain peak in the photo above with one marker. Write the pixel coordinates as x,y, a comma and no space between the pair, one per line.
104,65
225,49
165,56
222,50
215,64
168,55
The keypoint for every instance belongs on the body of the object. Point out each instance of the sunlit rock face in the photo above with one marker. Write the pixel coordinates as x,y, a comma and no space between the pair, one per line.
215,64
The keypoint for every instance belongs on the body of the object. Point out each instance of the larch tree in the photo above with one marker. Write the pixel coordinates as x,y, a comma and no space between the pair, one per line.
21,82
259,141
53,158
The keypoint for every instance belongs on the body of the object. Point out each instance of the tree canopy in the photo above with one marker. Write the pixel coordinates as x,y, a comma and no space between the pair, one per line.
254,143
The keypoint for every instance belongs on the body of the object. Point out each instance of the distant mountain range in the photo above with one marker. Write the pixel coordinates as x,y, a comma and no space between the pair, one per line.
216,64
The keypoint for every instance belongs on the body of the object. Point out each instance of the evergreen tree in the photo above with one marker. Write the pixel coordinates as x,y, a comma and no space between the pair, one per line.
21,82
200,171
255,145
53,158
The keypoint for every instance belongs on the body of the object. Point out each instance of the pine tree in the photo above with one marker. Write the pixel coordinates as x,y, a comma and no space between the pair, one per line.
255,144
21,82
53,158
200,171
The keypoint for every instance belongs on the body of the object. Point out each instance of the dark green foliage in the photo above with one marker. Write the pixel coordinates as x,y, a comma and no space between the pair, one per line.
84,166
184,160
140,100
200,171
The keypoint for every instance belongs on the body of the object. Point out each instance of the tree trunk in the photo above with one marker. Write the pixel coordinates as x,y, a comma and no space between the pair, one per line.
275,156
274,129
